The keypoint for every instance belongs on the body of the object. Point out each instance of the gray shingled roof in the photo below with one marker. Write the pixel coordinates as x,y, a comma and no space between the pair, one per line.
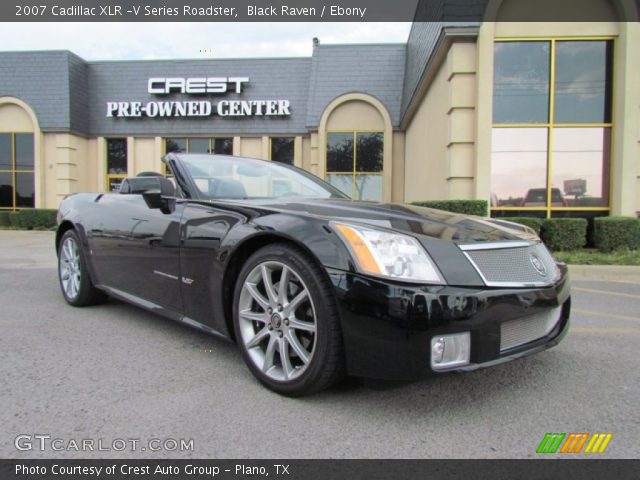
43,80
377,70
423,39
69,94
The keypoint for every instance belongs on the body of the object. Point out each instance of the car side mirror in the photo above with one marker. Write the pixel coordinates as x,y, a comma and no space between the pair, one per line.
161,195
154,199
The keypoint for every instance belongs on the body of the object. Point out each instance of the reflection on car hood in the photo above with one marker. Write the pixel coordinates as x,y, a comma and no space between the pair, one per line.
405,218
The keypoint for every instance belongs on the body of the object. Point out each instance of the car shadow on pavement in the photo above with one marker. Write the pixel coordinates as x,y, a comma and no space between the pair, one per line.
453,392
470,390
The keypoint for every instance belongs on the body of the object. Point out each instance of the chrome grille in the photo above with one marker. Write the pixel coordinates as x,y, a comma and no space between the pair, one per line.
502,265
527,329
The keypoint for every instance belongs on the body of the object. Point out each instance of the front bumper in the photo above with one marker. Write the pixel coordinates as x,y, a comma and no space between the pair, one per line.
388,326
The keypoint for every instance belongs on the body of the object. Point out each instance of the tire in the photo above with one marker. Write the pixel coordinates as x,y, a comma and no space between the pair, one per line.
75,282
300,319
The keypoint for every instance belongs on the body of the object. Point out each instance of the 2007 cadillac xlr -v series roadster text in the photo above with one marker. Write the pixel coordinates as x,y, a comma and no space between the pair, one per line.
312,285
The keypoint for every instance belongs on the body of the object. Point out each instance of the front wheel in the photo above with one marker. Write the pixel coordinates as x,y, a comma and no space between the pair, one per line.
286,321
75,283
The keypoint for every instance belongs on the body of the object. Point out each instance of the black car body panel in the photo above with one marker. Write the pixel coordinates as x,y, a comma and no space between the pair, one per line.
183,265
388,326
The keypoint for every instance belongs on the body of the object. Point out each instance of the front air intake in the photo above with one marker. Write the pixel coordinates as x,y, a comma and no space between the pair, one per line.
528,329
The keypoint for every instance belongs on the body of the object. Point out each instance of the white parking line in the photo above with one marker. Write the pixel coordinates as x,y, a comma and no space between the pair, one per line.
614,330
605,292
596,313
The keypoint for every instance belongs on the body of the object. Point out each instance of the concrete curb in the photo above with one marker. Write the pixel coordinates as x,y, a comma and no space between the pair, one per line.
612,273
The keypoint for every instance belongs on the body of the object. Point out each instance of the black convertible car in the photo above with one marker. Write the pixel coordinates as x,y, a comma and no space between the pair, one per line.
310,284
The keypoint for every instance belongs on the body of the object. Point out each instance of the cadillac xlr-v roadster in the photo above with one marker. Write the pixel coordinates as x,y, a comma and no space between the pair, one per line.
311,285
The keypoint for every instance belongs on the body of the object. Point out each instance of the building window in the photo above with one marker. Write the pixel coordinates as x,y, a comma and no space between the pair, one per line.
17,160
354,163
551,141
220,145
282,149
116,163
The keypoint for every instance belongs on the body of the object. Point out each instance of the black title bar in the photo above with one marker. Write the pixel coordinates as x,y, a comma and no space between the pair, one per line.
584,469
309,11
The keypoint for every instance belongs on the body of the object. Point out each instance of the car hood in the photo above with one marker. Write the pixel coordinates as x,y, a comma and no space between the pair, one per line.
410,219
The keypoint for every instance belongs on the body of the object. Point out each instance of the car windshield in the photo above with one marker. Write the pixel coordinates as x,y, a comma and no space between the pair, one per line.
219,176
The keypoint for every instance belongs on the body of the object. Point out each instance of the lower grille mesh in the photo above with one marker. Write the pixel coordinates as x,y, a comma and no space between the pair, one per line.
527,329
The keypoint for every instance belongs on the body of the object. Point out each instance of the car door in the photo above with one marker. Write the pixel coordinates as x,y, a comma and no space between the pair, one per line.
136,249
204,227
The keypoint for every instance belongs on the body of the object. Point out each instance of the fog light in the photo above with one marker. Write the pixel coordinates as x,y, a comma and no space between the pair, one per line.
448,351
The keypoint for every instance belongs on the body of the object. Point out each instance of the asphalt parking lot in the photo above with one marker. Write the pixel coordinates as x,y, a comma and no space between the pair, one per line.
117,372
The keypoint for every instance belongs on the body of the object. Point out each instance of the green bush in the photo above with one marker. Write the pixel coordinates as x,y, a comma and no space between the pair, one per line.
34,219
613,233
5,219
564,233
468,207
531,222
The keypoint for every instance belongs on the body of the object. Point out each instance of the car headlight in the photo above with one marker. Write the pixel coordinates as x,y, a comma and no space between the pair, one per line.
389,254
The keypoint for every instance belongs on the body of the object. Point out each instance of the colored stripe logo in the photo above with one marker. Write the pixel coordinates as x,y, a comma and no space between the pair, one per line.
550,443
574,442
598,443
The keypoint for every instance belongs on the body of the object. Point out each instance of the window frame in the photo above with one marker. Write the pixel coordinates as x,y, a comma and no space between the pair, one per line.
293,141
14,171
187,139
114,176
551,124
354,173
186,142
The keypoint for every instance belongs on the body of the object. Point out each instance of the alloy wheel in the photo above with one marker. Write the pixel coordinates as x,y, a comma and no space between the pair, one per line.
69,269
277,321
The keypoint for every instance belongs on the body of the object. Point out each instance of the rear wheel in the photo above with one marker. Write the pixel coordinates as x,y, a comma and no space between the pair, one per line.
286,321
75,282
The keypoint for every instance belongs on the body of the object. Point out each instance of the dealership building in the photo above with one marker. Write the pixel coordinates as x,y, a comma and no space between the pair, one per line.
539,119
